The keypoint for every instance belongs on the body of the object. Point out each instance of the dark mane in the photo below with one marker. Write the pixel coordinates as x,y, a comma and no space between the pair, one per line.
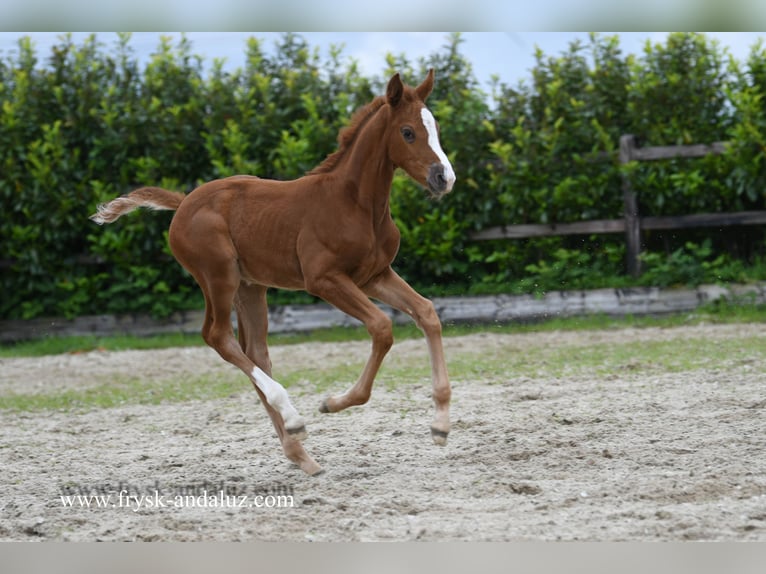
347,135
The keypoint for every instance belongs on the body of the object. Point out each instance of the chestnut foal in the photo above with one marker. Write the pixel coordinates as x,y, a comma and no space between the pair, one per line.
329,232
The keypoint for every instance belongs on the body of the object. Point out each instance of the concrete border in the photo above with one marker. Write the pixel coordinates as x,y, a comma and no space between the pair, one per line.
475,309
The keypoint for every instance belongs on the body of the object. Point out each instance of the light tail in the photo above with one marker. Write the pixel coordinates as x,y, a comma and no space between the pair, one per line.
150,197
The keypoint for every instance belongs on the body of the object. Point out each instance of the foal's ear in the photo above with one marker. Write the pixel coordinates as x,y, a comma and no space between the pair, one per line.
424,89
394,90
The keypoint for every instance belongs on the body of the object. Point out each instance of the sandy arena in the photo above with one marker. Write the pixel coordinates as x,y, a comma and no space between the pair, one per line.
638,454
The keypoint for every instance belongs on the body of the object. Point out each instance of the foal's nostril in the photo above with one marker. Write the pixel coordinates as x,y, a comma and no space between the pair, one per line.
436,179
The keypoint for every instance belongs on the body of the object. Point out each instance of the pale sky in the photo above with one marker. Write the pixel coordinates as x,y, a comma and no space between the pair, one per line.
509,55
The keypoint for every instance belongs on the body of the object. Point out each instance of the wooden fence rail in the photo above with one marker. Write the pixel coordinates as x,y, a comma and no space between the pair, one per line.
631,224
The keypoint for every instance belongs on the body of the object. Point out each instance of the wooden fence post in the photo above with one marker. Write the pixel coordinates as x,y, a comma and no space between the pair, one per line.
632,220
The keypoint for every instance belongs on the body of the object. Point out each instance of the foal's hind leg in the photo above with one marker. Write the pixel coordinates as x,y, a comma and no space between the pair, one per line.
253,325
252,321
219,281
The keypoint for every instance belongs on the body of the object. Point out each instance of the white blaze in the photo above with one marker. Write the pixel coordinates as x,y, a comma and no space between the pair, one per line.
276,395
433,141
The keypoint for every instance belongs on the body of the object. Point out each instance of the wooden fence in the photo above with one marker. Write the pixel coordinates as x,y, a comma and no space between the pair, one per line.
631,224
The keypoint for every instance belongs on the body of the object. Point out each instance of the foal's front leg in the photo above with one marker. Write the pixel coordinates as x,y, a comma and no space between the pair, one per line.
391,289
341,292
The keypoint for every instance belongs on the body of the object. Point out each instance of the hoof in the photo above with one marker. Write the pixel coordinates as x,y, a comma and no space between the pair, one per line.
299,433
311,468
323,408
439,436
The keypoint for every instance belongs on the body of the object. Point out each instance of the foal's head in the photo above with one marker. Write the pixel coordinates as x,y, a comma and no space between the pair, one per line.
413,136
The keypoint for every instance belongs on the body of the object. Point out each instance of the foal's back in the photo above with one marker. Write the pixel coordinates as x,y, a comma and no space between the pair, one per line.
274,230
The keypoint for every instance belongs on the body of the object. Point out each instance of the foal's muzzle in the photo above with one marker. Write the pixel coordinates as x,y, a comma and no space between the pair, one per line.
438,181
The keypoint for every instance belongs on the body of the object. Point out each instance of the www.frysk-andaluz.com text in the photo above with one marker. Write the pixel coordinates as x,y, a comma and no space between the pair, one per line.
203,494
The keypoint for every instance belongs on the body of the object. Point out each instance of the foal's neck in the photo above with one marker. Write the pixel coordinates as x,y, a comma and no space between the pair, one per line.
368,167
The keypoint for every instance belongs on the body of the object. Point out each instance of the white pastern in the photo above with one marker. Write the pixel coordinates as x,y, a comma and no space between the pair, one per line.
433,140
277,397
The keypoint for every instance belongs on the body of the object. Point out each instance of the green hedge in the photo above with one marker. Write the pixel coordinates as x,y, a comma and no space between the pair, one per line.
88,123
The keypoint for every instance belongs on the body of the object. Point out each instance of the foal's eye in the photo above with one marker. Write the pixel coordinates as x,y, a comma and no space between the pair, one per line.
408,134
